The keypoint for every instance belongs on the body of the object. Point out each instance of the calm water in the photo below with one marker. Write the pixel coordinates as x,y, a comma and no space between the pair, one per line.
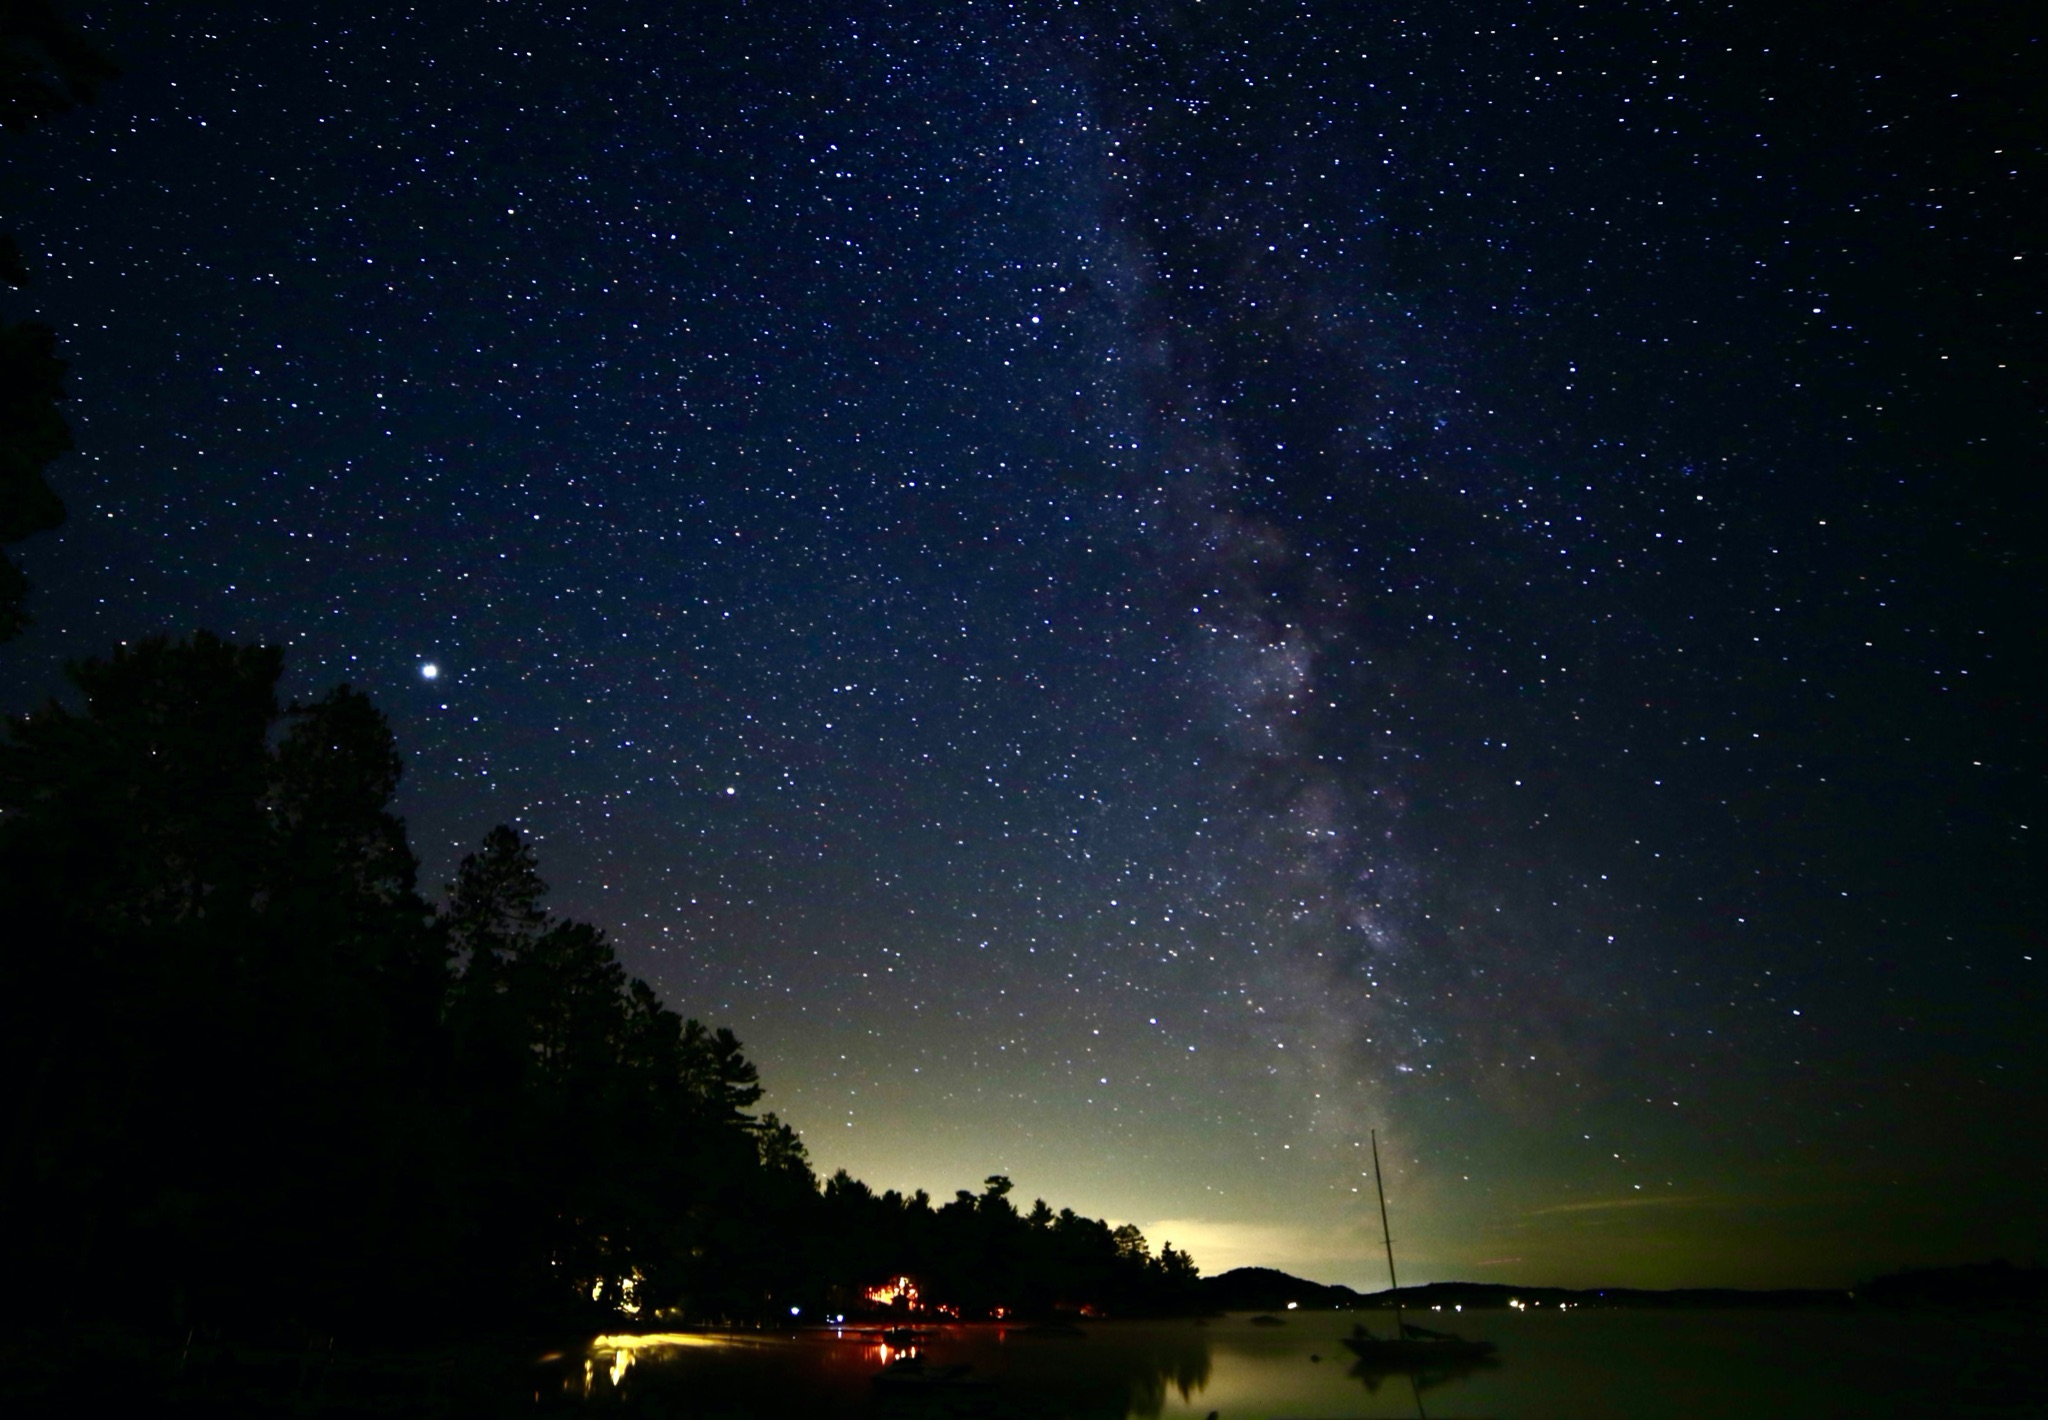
1580,1365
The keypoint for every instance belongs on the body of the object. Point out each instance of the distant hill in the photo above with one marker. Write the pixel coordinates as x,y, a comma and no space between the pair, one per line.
1976,1284
1481,1296
1264,1289
1982,1284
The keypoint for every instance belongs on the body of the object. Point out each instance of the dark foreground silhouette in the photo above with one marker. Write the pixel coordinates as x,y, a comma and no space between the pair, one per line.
263,1095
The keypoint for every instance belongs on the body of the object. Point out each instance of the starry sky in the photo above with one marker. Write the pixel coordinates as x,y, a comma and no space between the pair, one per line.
1132,592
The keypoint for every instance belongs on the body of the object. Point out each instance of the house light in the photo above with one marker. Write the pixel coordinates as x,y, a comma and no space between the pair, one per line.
896,1289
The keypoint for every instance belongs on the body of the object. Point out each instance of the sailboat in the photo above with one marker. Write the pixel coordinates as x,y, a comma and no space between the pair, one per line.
1410,1348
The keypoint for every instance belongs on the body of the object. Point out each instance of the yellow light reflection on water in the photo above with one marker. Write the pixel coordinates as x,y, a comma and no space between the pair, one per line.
884,1354
655,1340
623,1348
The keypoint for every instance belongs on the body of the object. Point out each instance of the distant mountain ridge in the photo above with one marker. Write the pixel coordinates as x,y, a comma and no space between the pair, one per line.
1266,1289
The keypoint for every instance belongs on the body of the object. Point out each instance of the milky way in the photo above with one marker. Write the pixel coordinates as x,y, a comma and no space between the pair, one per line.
1129,594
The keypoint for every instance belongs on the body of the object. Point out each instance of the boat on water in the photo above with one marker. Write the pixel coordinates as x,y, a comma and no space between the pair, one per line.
1410,1348
1416,1348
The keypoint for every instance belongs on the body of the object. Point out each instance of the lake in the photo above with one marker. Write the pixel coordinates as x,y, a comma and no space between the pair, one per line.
1583,1364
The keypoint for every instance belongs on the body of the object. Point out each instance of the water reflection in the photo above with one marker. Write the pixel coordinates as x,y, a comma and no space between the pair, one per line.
1051,1370
1006,1373
607,1359
1183,1363
1596,1365
1420,1378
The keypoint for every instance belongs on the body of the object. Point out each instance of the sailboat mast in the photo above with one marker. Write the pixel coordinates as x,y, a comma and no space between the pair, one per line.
1387,1234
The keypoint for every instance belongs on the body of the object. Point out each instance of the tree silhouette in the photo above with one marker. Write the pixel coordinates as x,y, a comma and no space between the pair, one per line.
214,988
33,435
494,906
46,67
259,1082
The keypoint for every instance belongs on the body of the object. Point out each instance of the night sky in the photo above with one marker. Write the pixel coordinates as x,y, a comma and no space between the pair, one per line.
1129,593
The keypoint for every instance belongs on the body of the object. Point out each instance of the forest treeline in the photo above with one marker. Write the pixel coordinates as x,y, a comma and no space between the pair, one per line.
255,1077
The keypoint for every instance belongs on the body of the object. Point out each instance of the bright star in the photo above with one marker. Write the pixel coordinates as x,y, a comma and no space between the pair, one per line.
429,671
